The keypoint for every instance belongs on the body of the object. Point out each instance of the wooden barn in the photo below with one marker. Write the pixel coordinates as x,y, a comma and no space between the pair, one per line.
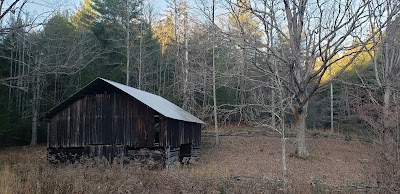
109,119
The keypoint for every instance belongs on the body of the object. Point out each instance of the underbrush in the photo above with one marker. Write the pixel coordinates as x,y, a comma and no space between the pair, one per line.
389,177
132,178
43,178
26,170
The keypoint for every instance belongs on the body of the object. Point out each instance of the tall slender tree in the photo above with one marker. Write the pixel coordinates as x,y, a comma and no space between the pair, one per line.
115,23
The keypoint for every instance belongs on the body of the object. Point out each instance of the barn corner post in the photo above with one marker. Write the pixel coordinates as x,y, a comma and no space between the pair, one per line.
167,157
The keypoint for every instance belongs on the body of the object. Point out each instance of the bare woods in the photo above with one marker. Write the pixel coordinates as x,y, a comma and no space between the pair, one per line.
290,65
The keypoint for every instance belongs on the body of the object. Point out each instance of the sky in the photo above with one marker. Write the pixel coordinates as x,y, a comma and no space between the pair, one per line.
43,6
41,10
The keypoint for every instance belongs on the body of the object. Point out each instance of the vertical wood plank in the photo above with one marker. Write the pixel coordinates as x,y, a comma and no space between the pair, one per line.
77,122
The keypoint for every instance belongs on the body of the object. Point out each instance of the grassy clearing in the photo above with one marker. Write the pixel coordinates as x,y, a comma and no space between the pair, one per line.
39,177
238,165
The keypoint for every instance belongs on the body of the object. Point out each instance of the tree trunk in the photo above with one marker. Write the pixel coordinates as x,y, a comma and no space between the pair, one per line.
242,81
140,57
386,106
388,135
397,140
273,117
35,107
387,132
299,123
215,102
185,68
284,168
127,42
213,76
331,97
177,59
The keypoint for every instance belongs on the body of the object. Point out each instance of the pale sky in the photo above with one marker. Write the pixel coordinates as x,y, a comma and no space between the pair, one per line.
43,7
160,5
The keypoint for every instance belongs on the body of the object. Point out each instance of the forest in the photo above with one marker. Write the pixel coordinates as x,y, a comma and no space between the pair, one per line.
282,66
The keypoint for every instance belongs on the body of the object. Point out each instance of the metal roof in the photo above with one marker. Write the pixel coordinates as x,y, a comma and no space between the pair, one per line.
157,103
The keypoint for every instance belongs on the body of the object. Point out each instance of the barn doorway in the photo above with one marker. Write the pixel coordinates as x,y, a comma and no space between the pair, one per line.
156,129
185,153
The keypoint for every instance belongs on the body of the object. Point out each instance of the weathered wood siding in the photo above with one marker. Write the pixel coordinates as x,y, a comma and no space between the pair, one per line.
173,133
163,131
196,140
181,132
104,119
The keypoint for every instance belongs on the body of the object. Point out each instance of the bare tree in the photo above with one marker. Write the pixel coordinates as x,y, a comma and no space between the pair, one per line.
390,63
117,20
208,9
310,37
280,112
56,50
386,60
15,8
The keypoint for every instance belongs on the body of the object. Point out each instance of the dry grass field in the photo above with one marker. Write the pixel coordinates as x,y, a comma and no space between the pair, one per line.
238,165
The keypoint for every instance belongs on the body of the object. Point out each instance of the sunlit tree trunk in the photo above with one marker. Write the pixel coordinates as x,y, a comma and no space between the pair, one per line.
299,123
